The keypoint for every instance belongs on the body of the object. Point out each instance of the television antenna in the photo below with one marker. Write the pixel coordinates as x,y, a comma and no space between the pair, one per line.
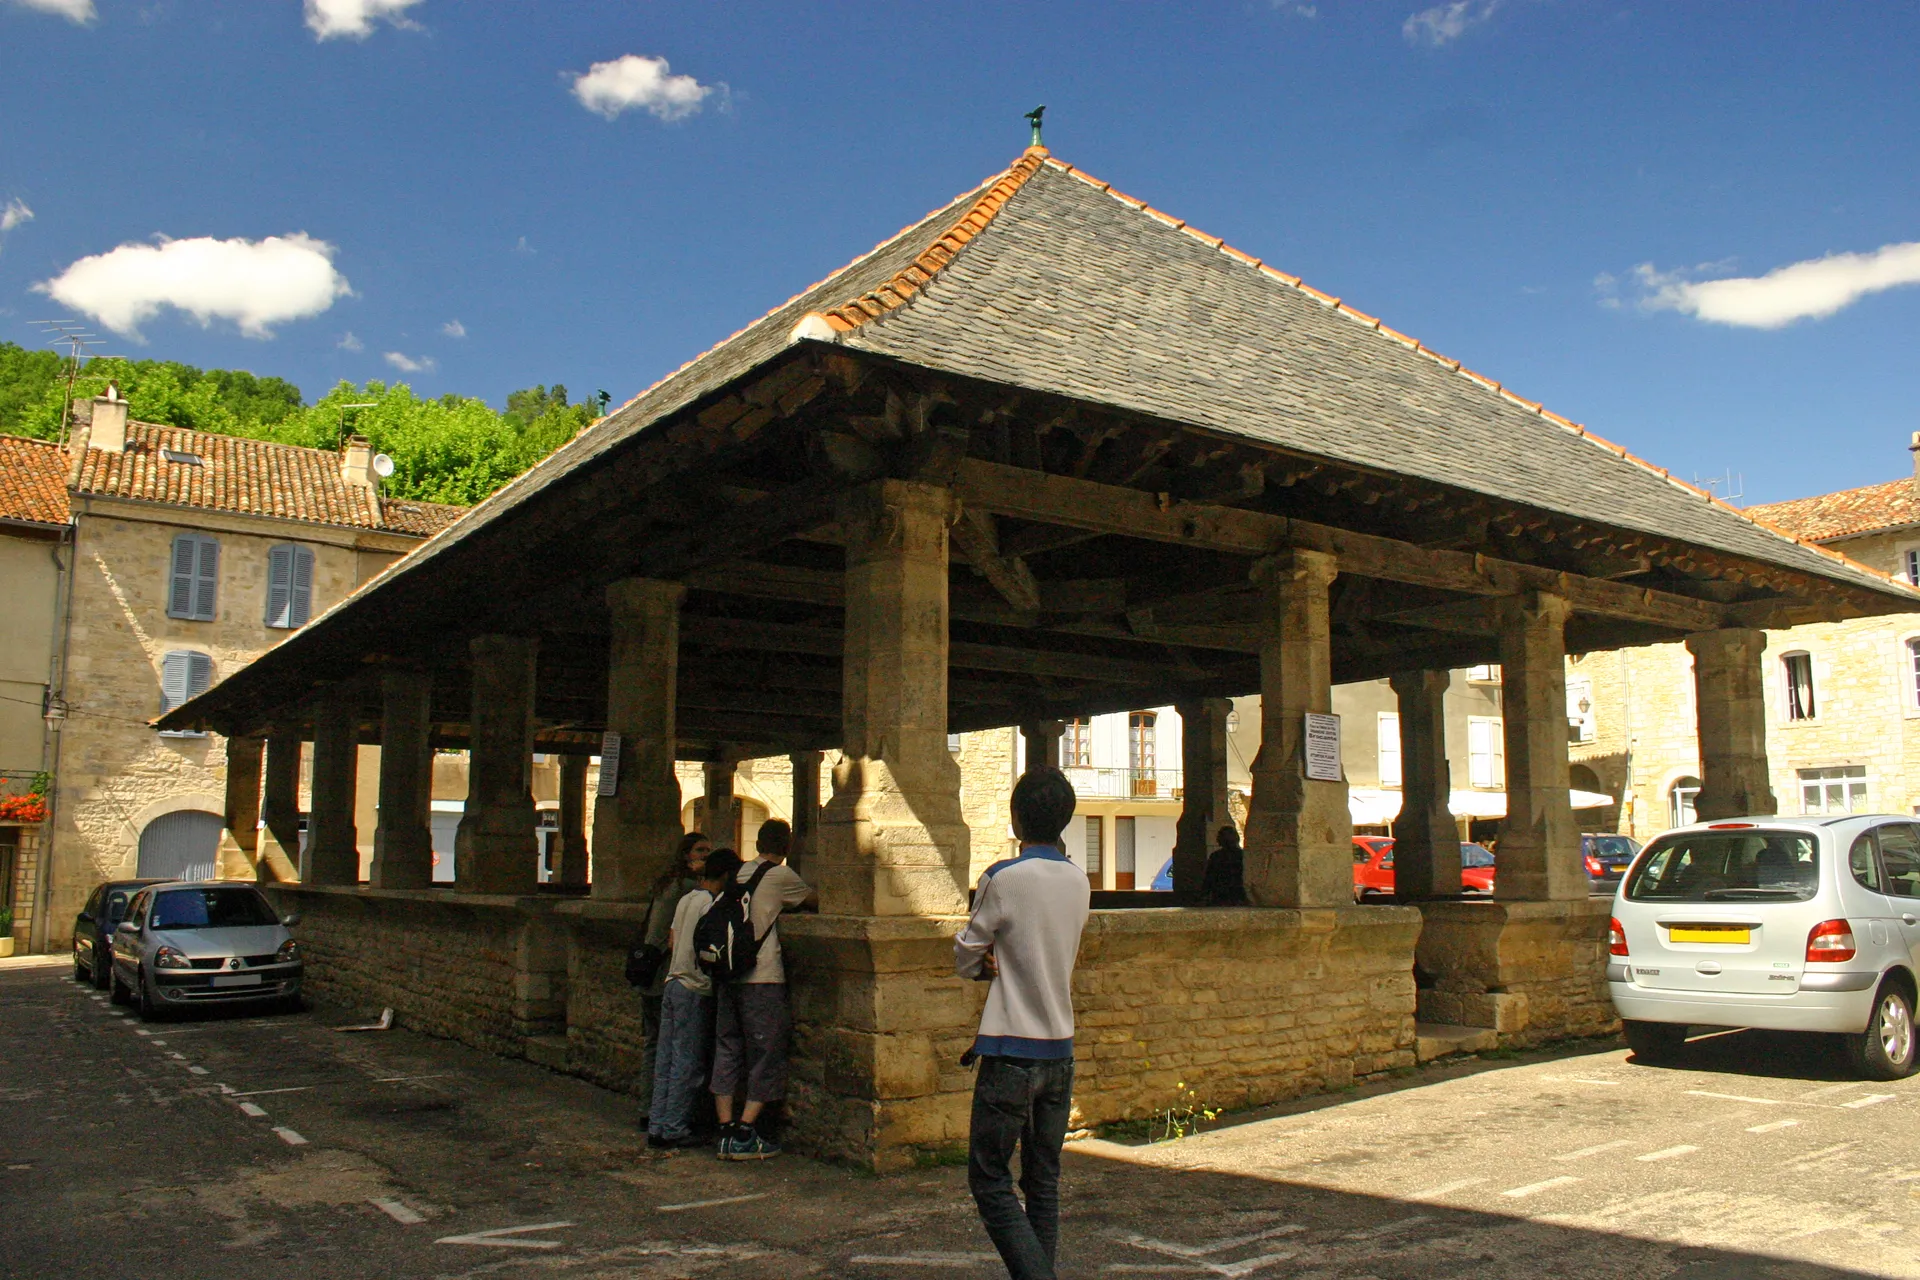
1730,487
77,338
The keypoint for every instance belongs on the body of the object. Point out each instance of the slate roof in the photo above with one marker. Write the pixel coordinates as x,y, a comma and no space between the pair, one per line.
1846,514
247,477
33,481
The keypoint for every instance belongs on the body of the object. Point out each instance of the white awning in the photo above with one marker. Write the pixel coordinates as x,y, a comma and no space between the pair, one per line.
1375,807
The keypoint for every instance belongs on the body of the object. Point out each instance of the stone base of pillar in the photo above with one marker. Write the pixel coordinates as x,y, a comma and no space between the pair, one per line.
495,853
231,862
1299,840
1531,971
890,848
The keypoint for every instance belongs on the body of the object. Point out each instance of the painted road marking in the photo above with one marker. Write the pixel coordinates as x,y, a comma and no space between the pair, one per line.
1773,1127
257,1093
1815,1157
141,1031
1831,1089
1211,1246
158,1044
1387,1228
499,1237
399,1212
1446,1188
1735,1097
199,1071
257,1112
1584,1152
933,1259
1872,1099
176,1055
1535,1188
289,1137
1668,1153
1580,1080
438,1075
709,1204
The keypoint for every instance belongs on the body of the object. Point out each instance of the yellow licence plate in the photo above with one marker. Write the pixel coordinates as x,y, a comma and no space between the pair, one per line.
1726,934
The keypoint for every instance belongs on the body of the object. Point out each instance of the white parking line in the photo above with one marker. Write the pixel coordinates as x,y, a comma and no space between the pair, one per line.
399,1212
708,1204
1872,1099
289,1137
257,1112
1446,1189
1669,1153
1581,1080
952,1260
256,1093
1584,1152
199,1071
1535,1188
1811,1158
1773,1127
1735,1097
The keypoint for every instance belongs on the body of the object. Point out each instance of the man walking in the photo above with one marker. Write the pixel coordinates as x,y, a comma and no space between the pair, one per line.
1023,937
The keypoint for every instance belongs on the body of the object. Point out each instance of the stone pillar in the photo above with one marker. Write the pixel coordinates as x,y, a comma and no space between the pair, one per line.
893,839
1539,853
1042,741
1730,700
332,855
239,855
1426,843
1299,835
279,848
403,838
1203,780
806,809
719,811
636,828
569,848
495,850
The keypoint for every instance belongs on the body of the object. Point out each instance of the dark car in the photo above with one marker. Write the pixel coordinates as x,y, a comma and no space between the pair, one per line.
93,929
1607,858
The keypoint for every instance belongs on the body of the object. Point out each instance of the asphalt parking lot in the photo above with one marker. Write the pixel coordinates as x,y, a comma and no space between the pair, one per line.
275,1146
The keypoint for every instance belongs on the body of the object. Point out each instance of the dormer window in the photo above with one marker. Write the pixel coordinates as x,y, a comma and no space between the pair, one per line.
183,458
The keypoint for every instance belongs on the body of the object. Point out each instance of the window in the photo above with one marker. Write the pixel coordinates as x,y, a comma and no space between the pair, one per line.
1842,789
1680,798
1900,859
1707,866
1861,861
1913,671
1912,559
1485,673
289,586
1093,848
1389,749
194,578
1077,746
953,744
1582,725
1123,853
1140,741
185,674
1797,669
1486,752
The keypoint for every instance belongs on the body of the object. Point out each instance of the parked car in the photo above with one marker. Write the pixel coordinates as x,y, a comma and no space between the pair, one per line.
185,944
93,929
1607,857
1373,869
1163,878
1779,923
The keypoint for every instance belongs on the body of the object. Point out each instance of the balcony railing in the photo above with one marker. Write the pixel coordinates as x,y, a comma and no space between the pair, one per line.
1124,784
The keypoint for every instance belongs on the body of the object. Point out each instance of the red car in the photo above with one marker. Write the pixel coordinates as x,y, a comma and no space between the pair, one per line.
1373,869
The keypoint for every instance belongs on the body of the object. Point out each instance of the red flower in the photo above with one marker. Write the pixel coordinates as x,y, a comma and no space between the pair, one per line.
28,808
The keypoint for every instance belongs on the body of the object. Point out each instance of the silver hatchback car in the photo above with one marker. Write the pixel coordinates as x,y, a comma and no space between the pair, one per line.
1788,924
200,943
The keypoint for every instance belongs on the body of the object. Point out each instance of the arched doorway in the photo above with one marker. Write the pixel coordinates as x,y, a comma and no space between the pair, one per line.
181,845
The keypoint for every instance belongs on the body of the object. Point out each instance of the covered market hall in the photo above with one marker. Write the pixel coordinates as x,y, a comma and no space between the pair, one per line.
1047,453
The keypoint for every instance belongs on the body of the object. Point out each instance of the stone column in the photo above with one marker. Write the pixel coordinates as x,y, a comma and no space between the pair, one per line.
332,855
1426,843
1042,741
403,838
636,828
806,809
239,855
893,839
1299,837
1539,853
1203,781
569,848
279,848
720,812
495,850
1731,705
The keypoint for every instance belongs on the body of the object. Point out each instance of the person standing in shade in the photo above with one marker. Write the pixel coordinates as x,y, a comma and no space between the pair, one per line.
1023,937
686,1015
753,1027
675,883
1225,884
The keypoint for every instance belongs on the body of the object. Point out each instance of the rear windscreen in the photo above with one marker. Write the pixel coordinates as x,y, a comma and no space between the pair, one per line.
1715,866
1612,848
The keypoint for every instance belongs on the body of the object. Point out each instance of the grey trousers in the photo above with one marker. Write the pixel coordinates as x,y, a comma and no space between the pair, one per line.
752,1034
680,1072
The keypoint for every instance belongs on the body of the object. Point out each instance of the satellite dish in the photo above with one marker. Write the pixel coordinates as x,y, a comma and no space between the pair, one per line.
382,465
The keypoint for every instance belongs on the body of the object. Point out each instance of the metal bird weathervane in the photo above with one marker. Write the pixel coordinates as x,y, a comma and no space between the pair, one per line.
1033,118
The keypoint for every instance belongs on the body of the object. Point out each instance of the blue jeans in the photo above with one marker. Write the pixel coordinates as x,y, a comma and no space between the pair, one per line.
680,1067
1020,1102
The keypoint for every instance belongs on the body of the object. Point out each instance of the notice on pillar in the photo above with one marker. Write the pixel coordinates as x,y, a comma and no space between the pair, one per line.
1322,745
609,764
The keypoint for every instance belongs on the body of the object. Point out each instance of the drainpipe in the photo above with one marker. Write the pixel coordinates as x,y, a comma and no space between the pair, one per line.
56,697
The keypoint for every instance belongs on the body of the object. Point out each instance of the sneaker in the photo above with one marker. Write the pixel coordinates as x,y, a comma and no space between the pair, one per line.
751,1144
730,1133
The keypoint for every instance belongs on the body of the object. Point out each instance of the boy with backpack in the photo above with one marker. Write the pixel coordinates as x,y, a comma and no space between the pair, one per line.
686,1013
738,944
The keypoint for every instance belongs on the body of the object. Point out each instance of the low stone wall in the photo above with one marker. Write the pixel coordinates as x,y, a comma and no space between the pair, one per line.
1533,971
604,1042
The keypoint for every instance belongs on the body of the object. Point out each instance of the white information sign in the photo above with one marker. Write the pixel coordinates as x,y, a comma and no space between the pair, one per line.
609,764
1322,746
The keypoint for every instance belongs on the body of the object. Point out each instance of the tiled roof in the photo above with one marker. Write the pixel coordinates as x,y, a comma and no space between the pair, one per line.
33,481
1846,514
247,477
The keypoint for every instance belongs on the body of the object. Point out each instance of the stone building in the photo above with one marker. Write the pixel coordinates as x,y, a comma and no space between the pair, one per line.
1842,698
1047,454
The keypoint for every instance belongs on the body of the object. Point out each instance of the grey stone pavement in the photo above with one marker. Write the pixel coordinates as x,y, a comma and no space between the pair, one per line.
239,1147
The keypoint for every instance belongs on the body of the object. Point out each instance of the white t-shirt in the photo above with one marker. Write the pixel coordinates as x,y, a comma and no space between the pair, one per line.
682,967
782,888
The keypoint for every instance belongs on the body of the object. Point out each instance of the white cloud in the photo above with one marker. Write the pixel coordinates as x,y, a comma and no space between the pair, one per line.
354,19
410,364
1809,290
632,82
524,247
350,342
1295,9
12,215
80,11
1445,23
454,329
254,283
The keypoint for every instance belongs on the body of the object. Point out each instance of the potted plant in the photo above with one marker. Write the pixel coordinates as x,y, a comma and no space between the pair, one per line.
6,932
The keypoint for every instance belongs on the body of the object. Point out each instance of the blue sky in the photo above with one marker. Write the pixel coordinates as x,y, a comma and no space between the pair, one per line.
1540,188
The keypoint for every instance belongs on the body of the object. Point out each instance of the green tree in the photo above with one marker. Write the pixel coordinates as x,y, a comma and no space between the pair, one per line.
25,379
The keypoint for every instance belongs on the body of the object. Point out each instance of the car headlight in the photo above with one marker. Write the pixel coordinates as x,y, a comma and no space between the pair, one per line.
169,958
289,950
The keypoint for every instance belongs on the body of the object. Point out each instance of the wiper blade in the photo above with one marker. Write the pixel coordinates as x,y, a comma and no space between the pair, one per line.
1748,892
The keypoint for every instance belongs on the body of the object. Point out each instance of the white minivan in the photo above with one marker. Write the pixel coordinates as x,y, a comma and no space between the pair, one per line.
1787,924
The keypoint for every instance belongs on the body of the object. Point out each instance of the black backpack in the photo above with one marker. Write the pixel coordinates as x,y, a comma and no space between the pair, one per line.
724,945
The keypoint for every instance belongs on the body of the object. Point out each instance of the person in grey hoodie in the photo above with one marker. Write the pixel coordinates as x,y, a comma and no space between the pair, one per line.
1023,937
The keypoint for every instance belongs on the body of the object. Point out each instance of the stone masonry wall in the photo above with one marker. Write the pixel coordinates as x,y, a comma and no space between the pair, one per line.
1532,971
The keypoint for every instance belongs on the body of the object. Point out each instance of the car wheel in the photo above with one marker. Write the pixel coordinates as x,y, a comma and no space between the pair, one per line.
117,989
1885,1050
150,1008
1655,1043
80,973
102,969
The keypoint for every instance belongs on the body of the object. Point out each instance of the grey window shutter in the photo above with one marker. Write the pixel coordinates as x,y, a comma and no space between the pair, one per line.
180,590
301,596
199,674
280,587
174,670
206,579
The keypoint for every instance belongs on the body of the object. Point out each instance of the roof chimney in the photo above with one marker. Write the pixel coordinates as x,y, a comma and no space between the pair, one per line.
109,429
356,465
1914,449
